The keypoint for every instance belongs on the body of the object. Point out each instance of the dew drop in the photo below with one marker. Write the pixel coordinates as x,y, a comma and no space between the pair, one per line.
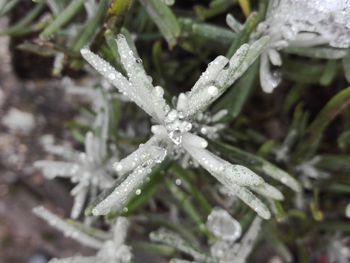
212,90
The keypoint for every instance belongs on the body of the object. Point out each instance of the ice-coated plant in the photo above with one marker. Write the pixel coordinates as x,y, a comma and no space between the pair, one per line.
173,127
229,245
89,170
111,248
300,24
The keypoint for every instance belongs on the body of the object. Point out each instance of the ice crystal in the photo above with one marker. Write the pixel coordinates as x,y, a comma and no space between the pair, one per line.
300,23
173,130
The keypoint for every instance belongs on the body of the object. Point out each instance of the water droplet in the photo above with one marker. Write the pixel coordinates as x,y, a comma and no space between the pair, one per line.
178,181
212,90
223,225
138,192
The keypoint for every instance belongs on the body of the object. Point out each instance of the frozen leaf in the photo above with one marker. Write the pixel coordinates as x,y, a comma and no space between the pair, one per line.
129,187
174,240
67,229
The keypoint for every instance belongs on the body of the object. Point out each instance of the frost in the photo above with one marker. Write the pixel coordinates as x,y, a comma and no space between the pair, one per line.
19,121
174,240
111,251
85,169
225,249
299,24
67,229
177,130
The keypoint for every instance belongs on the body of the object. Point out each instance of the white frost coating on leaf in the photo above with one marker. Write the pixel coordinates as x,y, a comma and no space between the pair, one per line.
223,171
223,225
281,176
243,249
268,191
251,200
174,240
120,230
141,81
111,251
67,229
121,194
233,23
210,74
85,169
79,201
302,23
176,131
144,153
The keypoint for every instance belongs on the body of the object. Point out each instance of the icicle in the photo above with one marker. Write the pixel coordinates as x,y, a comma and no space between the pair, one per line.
67,229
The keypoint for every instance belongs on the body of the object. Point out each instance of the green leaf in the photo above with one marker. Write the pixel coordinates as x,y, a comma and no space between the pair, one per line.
67,14
90,28
7,6
117,14
243,36
346,66
206,35
317,52
164,18
329,73
257,164
336,105
23,26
